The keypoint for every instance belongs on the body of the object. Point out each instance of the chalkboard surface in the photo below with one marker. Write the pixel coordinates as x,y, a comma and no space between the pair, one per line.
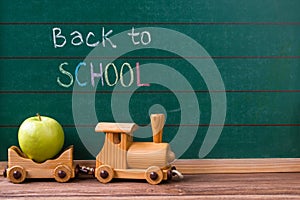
226,73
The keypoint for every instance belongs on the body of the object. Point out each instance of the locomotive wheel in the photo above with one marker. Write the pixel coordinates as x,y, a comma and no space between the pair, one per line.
104,173
16,174
62,173
154,175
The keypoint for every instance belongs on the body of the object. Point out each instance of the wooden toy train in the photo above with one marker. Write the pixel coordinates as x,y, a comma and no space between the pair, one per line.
120,157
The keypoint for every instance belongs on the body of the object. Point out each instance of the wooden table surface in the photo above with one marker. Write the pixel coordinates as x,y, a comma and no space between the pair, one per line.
200,186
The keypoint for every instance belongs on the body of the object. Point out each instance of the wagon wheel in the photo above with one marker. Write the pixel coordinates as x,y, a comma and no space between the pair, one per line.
16,174
62,173
154,175
104,173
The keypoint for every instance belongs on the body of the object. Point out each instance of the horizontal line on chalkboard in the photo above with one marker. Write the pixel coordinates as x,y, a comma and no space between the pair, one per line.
140,57
191,125
150,23
146,92
175,125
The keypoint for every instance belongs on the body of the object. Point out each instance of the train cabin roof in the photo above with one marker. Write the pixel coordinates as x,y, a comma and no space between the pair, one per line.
109,127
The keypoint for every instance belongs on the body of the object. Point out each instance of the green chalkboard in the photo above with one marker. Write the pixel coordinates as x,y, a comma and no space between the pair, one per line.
225,73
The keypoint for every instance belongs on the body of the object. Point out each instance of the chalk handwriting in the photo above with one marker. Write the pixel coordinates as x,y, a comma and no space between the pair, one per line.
145,37
93,40
109,76
138,77
77,38
131,75
68,74
76,74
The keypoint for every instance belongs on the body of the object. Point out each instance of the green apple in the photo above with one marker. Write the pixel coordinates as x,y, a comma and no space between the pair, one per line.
40,138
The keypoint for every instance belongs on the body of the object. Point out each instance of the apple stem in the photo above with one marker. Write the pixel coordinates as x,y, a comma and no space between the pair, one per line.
39,116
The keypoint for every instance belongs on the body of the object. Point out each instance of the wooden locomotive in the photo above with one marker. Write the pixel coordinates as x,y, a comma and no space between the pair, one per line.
21,167
120,157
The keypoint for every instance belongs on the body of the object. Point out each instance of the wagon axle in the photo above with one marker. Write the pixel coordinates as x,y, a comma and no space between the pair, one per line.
5,172
17,174
62,174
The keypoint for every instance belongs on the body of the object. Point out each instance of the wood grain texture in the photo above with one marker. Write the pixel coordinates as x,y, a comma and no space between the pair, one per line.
157,125
201,186
114,154
115,127
238,165
222,165
142,155
47,169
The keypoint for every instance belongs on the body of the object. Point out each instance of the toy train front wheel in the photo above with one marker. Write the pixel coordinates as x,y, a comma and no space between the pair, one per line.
104,173
154,175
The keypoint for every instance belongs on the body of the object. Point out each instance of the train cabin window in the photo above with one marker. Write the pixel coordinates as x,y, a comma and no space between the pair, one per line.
117,138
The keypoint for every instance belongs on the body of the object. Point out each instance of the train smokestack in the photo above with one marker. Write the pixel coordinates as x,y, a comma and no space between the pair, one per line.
157,124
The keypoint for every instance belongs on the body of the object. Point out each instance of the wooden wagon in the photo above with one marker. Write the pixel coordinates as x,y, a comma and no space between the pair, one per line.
21,167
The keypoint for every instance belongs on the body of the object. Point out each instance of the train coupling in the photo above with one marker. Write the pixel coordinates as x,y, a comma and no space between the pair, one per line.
84,170
175,172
